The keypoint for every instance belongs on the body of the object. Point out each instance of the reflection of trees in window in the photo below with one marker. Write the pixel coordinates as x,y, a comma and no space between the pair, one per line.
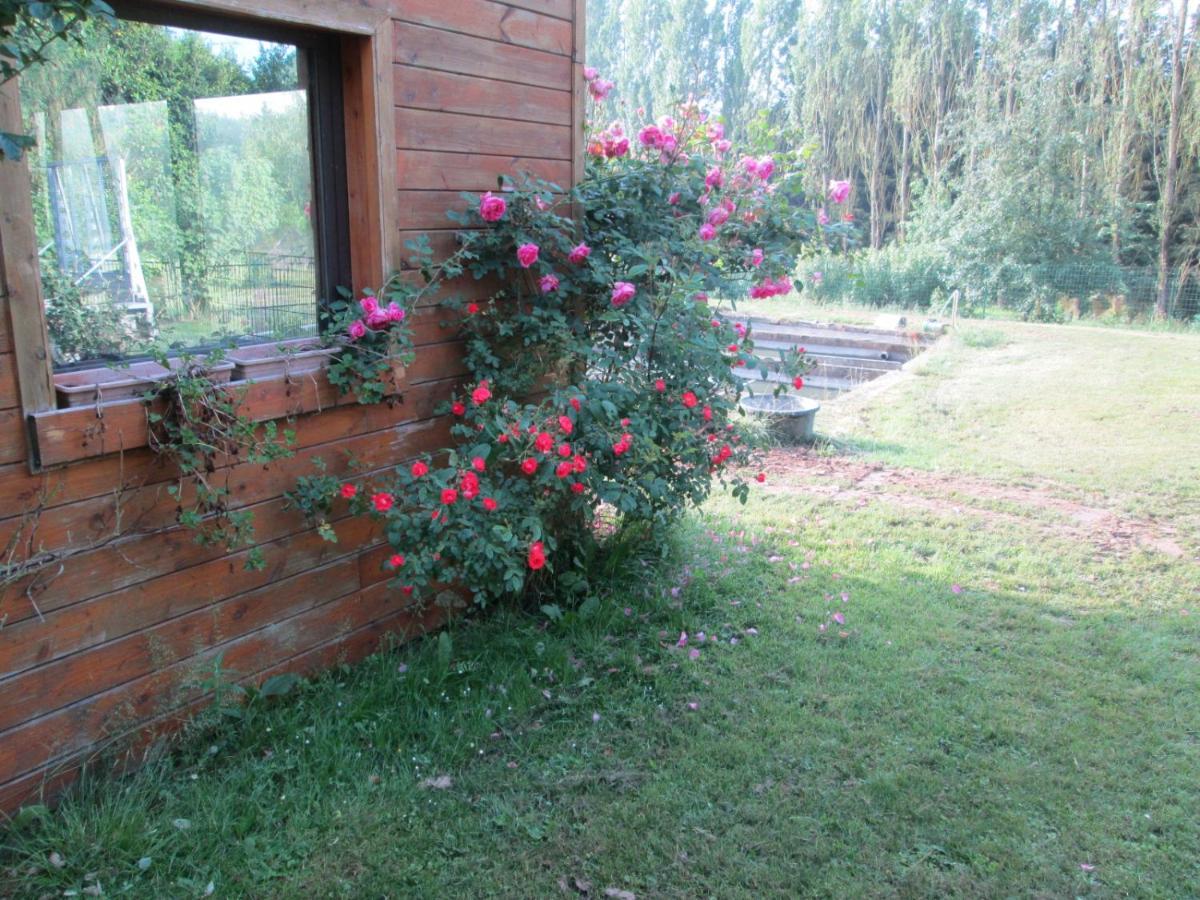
216,154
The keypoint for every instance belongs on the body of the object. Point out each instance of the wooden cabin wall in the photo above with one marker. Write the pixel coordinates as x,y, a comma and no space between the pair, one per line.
105,642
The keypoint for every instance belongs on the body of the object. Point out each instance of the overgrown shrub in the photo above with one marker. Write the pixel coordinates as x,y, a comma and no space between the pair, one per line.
599,377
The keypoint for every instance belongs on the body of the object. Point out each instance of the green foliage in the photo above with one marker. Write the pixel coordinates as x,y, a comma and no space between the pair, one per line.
28,28
908,276
1016,133
81,329
196,423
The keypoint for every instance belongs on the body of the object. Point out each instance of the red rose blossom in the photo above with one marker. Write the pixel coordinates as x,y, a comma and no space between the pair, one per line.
565,424
537,555
349,491
459,408
577,487
481,394
396,561
479,464
660,385
489,504
563,469
544,442
689,399
419,469
382,502
529,466
449,496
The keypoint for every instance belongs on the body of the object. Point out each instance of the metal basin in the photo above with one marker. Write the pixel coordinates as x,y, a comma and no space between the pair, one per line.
789,416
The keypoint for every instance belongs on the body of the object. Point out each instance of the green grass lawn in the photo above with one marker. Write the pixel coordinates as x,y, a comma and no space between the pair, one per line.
1010,707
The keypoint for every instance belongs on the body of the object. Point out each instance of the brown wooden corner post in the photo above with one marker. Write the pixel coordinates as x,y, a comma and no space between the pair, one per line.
370,154
20,278
579,95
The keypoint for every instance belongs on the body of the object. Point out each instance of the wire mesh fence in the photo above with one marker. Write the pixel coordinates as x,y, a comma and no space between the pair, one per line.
1098,290
252,294
913,280
249,294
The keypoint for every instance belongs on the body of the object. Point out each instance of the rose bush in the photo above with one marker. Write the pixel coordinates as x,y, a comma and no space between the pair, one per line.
600,377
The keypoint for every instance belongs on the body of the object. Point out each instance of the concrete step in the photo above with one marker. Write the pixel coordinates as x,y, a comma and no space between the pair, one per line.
865,354
768,350
857,370
833,340
812,382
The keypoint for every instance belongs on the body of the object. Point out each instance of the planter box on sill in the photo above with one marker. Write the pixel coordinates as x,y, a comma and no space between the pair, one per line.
91,386
285,359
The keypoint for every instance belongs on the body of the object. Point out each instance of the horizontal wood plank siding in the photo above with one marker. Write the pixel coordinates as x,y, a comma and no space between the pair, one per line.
420,129
489,19
9,396
424,170
447,51
107,641
447,92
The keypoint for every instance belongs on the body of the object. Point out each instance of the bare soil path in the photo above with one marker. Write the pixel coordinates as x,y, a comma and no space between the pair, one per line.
846,479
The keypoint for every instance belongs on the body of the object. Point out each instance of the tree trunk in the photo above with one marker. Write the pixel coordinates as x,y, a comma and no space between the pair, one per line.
1171,187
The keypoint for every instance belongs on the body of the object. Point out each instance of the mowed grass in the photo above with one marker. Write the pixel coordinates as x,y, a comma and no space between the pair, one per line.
1002,712
1098,412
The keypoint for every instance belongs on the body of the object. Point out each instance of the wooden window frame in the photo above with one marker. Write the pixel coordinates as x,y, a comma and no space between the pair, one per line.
364,30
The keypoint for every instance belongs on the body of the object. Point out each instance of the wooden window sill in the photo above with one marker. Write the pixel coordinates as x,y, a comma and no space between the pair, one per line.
62,436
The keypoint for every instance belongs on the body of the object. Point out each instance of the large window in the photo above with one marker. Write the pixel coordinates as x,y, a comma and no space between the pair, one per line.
189,185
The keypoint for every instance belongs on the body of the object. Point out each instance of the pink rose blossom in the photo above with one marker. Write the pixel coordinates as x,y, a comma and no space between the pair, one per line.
715,178
578,254
722,146
622,293
599,89
766,166
839,191
650,136
590,73
756,258
674,199
378,320
822,217
750,165
394,312
548,284
368,304
707,232
357,330
718,217
527,255
492,208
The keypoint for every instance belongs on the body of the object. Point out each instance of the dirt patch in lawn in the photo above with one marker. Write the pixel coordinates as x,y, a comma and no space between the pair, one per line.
846,479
